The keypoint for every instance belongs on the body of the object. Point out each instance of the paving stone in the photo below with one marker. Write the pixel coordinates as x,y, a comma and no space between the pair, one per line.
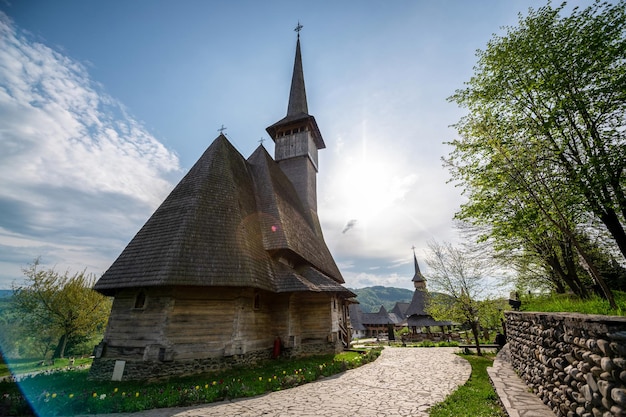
513,392
401,382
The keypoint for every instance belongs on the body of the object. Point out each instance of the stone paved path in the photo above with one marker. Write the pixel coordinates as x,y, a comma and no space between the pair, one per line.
401,382
514,394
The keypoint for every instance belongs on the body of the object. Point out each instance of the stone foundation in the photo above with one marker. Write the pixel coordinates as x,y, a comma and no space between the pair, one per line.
102,368
574,362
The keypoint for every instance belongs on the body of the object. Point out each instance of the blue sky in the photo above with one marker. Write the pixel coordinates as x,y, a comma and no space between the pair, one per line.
105,105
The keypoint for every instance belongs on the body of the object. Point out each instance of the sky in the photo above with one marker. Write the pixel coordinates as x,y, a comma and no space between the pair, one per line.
104,106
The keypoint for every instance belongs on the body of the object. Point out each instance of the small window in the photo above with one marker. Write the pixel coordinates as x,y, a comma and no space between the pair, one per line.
140,300
334,304
257,301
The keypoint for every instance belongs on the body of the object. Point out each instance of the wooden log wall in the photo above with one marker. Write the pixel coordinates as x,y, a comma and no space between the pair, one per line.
184,325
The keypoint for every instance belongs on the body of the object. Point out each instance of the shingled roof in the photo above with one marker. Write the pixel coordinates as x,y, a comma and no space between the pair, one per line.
286,225
417,314
226,223
418,304
234,223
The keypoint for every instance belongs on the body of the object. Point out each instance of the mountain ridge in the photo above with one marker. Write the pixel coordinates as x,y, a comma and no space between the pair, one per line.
371,298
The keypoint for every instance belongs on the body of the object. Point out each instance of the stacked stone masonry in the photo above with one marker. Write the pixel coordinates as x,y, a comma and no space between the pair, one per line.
150,369
575,363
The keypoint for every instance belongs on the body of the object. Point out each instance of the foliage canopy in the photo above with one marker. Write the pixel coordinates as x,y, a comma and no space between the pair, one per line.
542,153
59,309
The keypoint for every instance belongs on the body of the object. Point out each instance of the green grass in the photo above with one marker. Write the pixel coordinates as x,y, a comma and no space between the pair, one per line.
23,366
570,303
476,398
68,393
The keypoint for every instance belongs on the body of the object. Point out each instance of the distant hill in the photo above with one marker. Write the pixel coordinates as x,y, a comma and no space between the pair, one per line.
371,298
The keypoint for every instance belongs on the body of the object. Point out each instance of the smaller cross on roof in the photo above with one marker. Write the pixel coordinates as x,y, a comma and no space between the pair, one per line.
221,129
261,141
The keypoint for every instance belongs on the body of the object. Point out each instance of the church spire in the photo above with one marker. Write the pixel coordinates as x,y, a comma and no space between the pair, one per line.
297,94
297,138
418,279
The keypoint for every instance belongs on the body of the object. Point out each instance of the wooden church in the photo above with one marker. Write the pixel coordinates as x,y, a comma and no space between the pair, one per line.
417,311
232,267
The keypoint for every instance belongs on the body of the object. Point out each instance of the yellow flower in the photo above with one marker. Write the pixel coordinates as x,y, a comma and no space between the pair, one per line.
269,379
115,390
136,394
71,396
54,395
206,386
95,394
197,387
284,372
214,382
260,378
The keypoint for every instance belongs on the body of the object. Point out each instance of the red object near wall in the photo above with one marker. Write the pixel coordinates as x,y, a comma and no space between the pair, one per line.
276,351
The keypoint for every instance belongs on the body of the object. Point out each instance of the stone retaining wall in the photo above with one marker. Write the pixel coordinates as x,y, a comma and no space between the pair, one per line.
574,362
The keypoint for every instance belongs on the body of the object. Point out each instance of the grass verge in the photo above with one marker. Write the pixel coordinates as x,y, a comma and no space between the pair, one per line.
476,398
70,392
570,303
24,366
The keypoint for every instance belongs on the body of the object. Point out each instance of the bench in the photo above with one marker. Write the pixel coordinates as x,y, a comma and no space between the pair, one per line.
466,348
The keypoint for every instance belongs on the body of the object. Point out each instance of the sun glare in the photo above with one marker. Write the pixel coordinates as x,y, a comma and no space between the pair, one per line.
370,186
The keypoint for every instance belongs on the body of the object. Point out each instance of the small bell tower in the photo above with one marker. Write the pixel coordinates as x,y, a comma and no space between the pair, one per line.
297,138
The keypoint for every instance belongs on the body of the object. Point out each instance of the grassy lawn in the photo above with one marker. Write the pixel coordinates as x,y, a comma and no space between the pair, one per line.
24,366
476,398
570,303
67,393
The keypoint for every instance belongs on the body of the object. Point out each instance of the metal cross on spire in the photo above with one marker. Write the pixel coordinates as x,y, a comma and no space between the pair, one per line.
222,129
298,28
261,141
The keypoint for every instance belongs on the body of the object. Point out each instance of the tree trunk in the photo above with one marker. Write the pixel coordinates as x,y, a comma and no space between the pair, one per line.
608,294
561,275
614,226
476,337
59,352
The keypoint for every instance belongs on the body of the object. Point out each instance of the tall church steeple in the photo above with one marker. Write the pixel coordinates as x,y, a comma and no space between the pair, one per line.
419,282
297,94
297,138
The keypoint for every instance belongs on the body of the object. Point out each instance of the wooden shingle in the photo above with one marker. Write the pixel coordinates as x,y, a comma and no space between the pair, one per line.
227,224
203,234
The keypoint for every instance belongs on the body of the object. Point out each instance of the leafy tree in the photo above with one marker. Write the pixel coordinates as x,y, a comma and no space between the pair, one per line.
455,272
511,184
543,147
60,308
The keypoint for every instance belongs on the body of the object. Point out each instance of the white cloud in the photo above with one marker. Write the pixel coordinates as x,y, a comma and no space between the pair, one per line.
79,174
